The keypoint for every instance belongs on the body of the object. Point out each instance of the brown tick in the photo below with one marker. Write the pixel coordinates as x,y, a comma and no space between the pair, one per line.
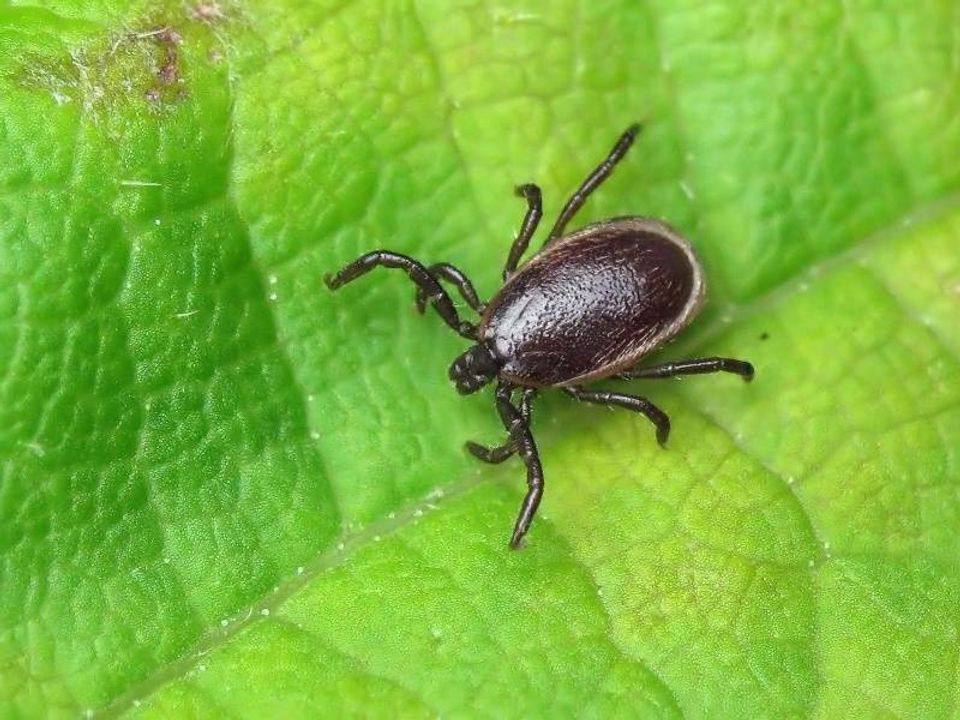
588,306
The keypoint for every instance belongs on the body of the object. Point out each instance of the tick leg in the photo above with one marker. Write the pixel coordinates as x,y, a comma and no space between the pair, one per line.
593,181
527,228
522,439
630,402
493,455
417,272
450,273
699,366
499,453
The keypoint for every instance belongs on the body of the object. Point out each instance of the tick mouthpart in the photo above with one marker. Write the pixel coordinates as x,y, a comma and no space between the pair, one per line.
473,369
467,385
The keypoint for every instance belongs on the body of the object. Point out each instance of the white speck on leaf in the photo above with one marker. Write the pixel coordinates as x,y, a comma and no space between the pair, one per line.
509,17
151,33
37,448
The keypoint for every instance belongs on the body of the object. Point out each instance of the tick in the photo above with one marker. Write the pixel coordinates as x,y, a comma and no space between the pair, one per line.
588,306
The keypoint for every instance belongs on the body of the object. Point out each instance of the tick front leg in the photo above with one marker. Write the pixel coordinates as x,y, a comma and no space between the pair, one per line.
452,274
699,366
493,455
635,403
522,440
593,181
497,454
416,271
527,228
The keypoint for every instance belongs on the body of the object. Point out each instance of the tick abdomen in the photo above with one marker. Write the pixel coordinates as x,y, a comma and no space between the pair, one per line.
594,303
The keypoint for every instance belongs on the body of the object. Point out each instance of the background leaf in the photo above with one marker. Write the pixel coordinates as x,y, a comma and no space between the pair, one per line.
225,491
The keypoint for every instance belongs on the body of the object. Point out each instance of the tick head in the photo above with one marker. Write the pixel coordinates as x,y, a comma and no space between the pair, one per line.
474,369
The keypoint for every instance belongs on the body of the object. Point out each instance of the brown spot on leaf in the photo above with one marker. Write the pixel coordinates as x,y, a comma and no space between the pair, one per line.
169,71
207,12
143,62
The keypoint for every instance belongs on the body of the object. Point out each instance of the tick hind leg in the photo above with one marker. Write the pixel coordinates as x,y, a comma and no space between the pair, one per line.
416,271
593,181
698,366
452,274
635,403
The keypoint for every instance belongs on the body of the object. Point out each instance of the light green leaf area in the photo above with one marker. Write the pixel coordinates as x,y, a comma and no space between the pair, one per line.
225,491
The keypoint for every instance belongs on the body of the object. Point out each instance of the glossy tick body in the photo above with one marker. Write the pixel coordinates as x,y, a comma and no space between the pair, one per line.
588,306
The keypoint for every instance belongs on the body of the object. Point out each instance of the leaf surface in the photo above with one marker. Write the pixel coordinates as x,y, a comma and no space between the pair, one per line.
224,490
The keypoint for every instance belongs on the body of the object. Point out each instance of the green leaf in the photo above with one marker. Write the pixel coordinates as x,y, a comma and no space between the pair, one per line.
224,490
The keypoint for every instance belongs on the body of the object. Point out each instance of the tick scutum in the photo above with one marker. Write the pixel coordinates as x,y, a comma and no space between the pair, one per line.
593,303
